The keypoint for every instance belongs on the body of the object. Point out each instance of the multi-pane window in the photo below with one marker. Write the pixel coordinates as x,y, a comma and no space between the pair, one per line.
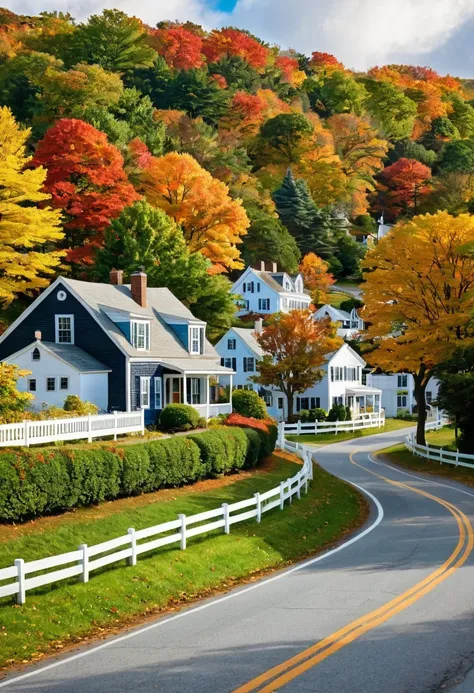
32,384
195,391
337,373
64,329
158,401
264,304
315,402
196,340
50,384
35,354
249,364
229,362
145,393
337,400
429,397
280,403
401,401
64,383
140,334
402,380
231,344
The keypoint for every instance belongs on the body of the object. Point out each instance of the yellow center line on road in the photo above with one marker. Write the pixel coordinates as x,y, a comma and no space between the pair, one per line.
293,667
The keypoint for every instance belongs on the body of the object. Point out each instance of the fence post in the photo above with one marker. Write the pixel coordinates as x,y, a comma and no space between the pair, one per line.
84,562
457,457
143,422
281,435
27,444
115,425
298,427
282,495
310,459
183,531
20,566
133,541
89,429
259,507
441,455
298,488
225,508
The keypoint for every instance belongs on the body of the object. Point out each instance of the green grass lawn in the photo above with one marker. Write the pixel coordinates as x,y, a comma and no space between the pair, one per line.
398,454
444,438
56,616
335,298
324,438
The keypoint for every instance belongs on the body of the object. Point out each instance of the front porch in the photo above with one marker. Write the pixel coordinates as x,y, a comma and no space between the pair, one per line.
209,394
364,400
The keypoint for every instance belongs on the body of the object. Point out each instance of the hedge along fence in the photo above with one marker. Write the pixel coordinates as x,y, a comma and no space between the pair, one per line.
34,483
23,576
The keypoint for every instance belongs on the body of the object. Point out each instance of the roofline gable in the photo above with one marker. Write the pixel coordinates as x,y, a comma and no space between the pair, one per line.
40,345
346,347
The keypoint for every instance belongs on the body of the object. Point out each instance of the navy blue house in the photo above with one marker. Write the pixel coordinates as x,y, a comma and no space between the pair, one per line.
125,347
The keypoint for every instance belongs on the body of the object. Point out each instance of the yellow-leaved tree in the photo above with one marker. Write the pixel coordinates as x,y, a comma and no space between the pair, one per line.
419,298
316,277
27,232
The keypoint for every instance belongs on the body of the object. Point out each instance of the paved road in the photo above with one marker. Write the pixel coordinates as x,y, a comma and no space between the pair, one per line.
389,613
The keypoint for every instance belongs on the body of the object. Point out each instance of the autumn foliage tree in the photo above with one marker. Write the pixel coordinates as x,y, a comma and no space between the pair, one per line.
403,186
86,180
316,277
419,298
213,223
182,49
294,347
28,232
232,42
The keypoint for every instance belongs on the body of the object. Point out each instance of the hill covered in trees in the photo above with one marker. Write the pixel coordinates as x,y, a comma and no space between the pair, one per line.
194,153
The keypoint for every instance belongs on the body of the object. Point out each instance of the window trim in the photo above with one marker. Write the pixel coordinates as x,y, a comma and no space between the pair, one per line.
53,378
56,327
32,380
134,325
145,379
36,351
200,330
232,342
61,378
158,383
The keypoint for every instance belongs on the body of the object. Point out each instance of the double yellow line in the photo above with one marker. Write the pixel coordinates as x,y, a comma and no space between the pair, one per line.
283,673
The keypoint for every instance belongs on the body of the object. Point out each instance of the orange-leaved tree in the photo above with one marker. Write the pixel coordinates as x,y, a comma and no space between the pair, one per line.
419,298
213,223
403,185
294,346
316,277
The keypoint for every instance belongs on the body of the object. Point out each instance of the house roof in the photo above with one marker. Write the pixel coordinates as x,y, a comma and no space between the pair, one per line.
334,313
76,357
191,365
162,306
248,336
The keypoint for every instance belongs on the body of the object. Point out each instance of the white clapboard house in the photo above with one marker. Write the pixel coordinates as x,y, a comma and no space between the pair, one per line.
266,292
349,325
398,391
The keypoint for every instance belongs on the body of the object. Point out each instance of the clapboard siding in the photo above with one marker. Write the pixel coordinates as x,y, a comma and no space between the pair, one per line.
88,335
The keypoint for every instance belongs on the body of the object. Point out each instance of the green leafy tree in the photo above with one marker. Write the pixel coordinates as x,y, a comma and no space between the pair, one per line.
456,396
339,93
393,112
114,41
268,238
309,225
239,75
13,403
408,149
349,253
458,157
285,135
192,91
462,116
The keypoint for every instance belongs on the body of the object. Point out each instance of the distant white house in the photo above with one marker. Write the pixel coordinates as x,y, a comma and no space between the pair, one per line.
383,229
349,324
341,384
398,391
266,292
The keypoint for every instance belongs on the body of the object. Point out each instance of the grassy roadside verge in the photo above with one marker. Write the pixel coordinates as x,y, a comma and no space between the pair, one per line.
55,617
400,456
324,438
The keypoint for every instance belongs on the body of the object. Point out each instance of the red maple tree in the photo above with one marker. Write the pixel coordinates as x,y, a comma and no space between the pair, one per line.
180,48
86,179
228,42
402,186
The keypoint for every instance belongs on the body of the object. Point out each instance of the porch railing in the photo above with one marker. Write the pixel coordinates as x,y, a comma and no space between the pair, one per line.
210,410
28,433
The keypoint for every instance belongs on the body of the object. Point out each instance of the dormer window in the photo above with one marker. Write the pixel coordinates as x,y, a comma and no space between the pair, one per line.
196,340
35,354
140,334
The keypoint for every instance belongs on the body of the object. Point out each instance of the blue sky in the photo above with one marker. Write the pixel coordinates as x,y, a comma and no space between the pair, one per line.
361,33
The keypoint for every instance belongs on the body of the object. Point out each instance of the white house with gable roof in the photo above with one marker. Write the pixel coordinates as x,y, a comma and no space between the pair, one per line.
349,325
267,292
341,384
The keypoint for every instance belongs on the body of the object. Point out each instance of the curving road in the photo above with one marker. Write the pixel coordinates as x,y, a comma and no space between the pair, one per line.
390,611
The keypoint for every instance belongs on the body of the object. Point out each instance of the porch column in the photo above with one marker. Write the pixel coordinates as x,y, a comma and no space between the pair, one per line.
185,390
230,391
208,396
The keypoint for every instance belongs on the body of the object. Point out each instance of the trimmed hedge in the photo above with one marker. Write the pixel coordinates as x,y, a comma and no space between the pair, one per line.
37,482
179,417
249,403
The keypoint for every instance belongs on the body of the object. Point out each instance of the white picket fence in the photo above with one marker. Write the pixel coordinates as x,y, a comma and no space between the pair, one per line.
429,452
369,420
24,576
29,433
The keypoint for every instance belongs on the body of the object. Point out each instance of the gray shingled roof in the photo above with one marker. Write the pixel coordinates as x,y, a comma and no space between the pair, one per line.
248,336
76,357
164,343
268,279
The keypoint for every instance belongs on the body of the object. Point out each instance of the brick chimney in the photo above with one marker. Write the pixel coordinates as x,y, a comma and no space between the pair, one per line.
116,277
138,284
258,325
38,335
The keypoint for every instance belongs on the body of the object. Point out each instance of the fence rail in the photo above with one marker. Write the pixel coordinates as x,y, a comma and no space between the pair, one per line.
429,452
369,420
28,433
24,576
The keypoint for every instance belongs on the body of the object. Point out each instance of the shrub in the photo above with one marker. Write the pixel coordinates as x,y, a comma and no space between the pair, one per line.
73,403
173,462
94,475
135,470
337,413
249,403
303,415
179,417
405,415
253,447
317,414
222,450
348,414
266,429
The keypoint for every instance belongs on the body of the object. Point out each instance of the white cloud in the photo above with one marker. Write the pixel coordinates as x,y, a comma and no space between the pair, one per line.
360,33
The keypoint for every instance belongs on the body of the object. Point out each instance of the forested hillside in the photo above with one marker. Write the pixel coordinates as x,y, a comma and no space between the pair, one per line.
194,153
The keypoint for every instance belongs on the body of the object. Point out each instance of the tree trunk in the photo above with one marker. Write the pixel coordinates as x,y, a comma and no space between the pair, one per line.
420,388
289,399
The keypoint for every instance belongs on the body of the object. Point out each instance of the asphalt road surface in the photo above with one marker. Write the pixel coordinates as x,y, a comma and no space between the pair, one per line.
388,612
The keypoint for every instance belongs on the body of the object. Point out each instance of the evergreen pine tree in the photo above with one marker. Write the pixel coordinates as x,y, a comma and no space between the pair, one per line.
308,224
